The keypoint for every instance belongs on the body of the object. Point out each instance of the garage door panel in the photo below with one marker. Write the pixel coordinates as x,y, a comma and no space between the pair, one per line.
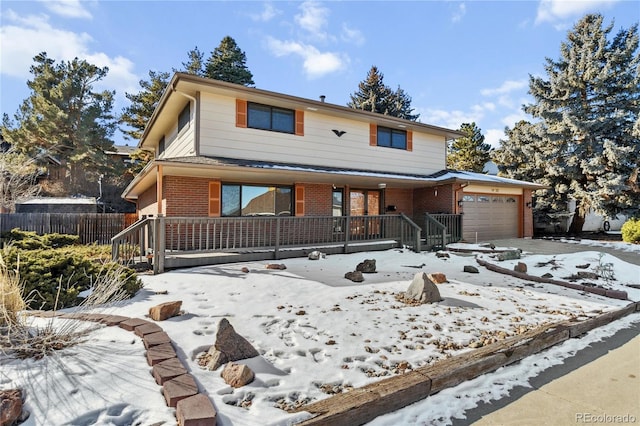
489,217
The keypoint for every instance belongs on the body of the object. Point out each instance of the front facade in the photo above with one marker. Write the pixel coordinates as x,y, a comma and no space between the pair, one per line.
224,150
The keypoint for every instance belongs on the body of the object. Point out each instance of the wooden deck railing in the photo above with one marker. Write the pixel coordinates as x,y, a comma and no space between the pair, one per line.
441,229
158,237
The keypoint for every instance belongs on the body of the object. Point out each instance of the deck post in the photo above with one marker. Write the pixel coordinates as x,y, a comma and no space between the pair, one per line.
162,241
276,254
347,231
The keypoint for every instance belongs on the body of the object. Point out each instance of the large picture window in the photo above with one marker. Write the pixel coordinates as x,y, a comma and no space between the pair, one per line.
253,200
392,138
266,117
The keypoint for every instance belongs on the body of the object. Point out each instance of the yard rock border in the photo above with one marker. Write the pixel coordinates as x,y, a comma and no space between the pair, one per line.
178,386
364,404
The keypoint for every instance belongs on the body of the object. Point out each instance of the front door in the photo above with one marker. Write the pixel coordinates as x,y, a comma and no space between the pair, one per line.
364,203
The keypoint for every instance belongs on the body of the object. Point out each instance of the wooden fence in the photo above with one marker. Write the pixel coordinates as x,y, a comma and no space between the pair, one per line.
90,227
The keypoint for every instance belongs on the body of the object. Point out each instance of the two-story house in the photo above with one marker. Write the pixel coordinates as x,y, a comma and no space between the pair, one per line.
225,150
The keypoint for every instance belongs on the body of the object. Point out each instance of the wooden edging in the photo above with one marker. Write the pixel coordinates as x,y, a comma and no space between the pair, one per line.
364,404
613,294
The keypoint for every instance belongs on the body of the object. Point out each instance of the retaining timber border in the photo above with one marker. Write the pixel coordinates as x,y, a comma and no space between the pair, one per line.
364,404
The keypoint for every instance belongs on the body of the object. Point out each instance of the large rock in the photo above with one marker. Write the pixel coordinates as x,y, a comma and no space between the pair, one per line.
509,255
437,277
521,267
422,289
237,375
10,406
470,269
355,276
367,267
229,346
165,310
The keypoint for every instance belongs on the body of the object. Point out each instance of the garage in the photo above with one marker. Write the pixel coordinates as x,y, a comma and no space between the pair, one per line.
490,217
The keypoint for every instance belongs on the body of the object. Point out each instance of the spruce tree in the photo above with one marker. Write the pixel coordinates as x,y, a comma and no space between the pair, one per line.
228,63
373,95
470,152
66,119
585,110
195,63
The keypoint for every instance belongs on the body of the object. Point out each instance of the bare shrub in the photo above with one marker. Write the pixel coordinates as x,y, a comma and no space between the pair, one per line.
23,336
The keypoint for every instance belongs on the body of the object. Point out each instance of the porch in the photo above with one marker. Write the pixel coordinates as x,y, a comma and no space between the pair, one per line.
177,242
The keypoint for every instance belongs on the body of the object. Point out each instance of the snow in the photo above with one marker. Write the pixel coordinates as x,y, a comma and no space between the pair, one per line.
317,331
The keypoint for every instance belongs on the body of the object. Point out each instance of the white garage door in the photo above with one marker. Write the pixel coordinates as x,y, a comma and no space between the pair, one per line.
489,217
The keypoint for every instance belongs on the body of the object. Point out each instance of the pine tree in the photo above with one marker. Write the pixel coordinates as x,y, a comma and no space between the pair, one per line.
65,118
228,63
195,63
373,95
143,103
587,108
470,152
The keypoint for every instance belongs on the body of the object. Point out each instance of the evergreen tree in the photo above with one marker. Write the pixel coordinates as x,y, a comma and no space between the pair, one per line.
228,63
195,63
470,152
373,95
65,118
143,103
587,107
18,179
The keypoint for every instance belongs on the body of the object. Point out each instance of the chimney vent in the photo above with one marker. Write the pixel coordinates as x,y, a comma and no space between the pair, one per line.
322,98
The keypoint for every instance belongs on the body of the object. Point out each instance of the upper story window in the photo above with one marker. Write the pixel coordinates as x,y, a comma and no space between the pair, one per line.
183,118
270,118
161,146
392,138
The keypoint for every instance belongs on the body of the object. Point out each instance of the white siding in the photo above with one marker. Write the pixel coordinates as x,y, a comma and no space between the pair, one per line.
319,146
180,144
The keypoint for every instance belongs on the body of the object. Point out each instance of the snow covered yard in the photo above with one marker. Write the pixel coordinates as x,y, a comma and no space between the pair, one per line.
317,334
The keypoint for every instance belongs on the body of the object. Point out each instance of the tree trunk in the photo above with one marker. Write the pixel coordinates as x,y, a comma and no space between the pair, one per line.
578,219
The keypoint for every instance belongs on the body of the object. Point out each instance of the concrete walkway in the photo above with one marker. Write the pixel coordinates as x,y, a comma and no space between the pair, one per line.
537,246
599,385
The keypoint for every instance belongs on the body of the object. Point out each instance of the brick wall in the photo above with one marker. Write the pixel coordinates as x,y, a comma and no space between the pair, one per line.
437,199
527,230
147,202
318,199
186,196
402,199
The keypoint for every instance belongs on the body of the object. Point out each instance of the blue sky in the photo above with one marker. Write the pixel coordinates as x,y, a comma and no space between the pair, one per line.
460,61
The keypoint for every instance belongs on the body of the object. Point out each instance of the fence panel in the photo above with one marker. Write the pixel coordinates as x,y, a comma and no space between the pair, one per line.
90,227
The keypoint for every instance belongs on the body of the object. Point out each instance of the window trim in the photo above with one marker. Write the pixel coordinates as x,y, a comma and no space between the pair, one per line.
390,131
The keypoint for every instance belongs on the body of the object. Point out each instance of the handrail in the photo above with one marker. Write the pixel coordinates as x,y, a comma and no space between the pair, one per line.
442,229
417,238
134,241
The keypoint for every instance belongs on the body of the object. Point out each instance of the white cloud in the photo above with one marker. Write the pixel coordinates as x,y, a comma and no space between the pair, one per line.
352,36
315,63
25,37
507,87
493,136
313,18
268,13
68,8
459,13
554,10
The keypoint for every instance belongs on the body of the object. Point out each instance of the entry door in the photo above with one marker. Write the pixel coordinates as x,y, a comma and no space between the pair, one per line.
364,203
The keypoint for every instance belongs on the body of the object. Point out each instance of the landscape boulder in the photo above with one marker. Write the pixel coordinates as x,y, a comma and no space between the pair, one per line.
442,255
367,267
165,310
437,277
509,255
237,375
316,255
422,290
520,267
11,407
355,276
276,266
229,346
471,269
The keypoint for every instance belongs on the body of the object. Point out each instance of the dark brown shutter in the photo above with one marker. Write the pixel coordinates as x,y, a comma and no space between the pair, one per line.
409,140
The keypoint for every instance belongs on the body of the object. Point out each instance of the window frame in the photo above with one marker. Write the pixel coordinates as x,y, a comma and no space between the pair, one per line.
391,132
184,118
240,187
289,113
